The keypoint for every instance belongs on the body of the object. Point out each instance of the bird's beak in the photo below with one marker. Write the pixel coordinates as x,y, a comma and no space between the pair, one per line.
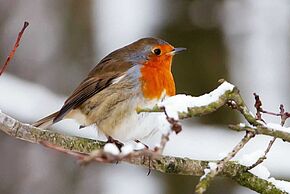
176,50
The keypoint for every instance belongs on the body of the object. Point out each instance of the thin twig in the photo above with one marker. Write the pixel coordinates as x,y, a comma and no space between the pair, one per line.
263,130
203,184
258,106
283,115
264,157
10,56
175,127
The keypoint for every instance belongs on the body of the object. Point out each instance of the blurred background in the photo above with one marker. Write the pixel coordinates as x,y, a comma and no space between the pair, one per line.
243,41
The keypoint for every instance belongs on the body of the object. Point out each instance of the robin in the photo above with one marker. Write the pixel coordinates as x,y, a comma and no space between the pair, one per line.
137,75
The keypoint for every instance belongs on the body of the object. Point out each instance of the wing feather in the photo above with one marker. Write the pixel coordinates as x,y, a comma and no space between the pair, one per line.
99,78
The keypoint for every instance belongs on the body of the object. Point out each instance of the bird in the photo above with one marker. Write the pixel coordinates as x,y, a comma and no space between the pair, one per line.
135,76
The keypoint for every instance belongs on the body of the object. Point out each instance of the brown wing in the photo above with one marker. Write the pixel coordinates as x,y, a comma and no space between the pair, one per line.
99,78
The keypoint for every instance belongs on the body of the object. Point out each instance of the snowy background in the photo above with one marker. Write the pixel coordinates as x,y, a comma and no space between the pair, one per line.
243,41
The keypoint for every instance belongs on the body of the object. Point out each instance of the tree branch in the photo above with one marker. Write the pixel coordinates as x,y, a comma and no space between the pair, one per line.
230,97
263,130
165,164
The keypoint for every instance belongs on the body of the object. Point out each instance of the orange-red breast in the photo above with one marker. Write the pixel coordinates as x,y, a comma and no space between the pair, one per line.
137,75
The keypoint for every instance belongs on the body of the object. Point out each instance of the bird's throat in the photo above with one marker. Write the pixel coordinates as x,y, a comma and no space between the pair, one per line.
154,81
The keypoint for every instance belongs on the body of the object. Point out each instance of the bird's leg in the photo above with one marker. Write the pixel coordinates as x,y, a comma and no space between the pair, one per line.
149,157
138,141
116,142
82,126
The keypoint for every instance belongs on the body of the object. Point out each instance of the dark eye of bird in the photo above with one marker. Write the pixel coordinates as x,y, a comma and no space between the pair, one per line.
157,51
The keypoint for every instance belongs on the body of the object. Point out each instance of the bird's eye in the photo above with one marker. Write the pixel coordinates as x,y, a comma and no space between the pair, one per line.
157,51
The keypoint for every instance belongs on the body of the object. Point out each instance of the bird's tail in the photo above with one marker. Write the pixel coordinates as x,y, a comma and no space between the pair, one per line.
46,121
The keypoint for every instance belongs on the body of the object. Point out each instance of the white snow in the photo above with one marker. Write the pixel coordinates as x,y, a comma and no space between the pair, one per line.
222,154
25,99
111,148
283,185
131,146
212,166
261,171
127,148
251,158
181,102
206,171
242,124
139,146
248,159
276,126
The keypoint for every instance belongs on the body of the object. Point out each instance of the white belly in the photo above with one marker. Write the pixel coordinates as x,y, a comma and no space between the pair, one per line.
144,126
141,126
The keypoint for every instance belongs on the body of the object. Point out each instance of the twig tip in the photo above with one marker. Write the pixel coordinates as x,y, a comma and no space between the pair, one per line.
26,23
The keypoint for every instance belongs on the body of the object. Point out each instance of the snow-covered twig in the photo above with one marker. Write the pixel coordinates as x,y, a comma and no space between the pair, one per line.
272,130
185,106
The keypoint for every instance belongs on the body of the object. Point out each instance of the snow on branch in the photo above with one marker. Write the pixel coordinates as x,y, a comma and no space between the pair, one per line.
184,106
269,130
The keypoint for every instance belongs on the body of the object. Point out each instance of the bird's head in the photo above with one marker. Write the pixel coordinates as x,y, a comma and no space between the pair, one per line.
149,52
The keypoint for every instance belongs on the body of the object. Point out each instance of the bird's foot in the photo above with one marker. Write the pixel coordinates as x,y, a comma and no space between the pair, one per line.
82,126
116,142
138,141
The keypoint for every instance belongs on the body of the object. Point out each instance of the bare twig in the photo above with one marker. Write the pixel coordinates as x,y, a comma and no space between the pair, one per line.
264,157
10,56
258,106
203,184
283,115
175,126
